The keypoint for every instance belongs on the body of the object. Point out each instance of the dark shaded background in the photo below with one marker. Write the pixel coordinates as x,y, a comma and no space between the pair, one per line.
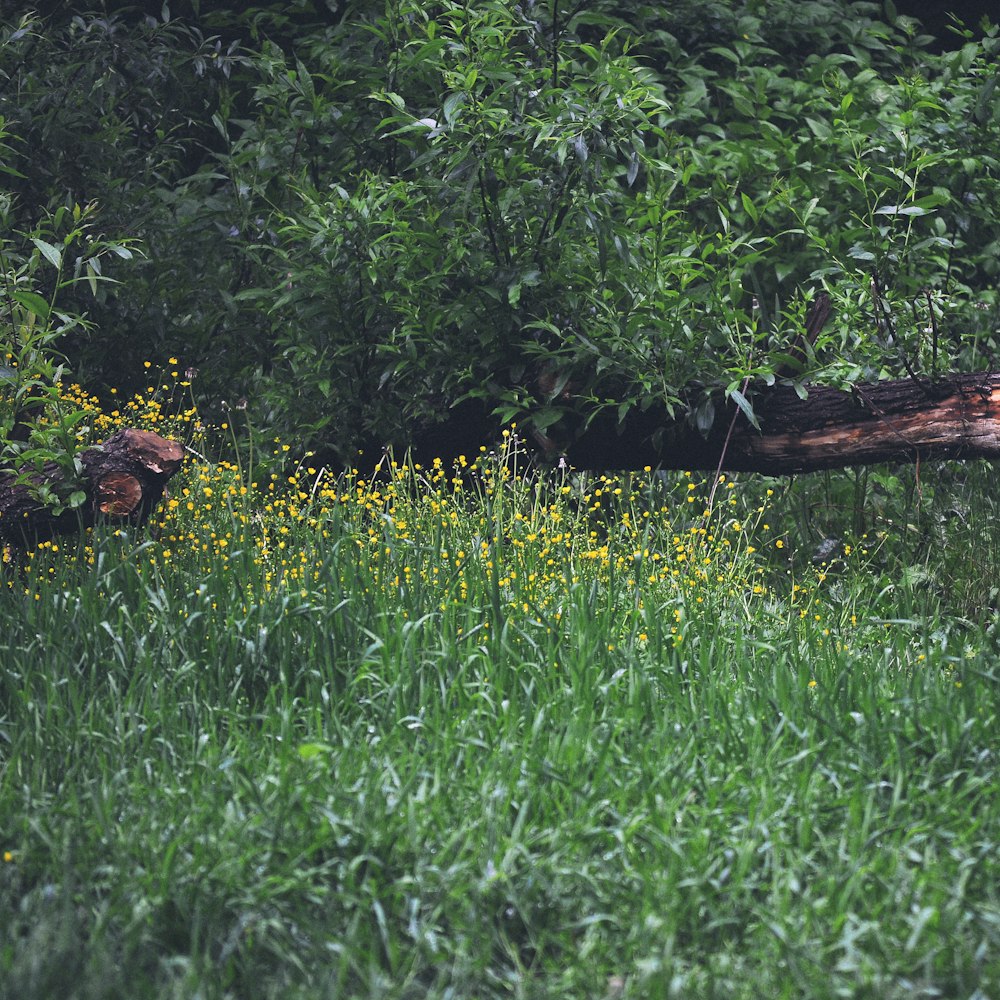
934,14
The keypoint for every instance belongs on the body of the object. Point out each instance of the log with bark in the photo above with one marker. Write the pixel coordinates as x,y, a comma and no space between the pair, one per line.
124,479
910,420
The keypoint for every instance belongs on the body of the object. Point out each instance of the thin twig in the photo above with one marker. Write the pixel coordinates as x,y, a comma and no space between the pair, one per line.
725,447
934,333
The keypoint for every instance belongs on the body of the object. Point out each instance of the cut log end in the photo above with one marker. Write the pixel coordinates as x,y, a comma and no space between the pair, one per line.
118,494
124,479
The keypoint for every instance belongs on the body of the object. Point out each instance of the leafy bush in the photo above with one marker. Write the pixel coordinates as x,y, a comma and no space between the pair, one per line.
553,225
117,113
547,210
39,430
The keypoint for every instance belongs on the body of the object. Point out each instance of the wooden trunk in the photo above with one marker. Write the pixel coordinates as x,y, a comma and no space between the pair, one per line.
957,416
124,479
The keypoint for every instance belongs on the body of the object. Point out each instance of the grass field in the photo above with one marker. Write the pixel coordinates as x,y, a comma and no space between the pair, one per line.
473,733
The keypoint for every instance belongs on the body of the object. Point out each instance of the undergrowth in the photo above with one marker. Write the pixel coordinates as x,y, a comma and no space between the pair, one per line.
496,732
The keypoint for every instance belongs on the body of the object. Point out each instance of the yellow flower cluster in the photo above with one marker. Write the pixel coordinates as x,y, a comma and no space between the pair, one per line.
166,407
484,527
478,528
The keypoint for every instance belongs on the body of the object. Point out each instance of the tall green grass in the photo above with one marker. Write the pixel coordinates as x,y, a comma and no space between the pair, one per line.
391,738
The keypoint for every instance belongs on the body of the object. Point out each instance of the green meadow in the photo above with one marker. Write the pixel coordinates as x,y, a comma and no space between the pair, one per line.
489,731
488,728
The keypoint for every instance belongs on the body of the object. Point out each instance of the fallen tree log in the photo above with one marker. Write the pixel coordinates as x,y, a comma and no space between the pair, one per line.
124,479
910,420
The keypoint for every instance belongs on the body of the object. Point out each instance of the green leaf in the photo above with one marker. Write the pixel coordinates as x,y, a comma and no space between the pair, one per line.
70,420
394,99
52,254
820,129
309,751
304,79
985,106
726,54
545,417
744,404
33,302
633,169
704,416
529,278
901,210
452,105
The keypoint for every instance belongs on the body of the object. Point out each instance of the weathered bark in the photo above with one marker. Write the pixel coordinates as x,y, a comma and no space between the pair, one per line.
124,479
957,416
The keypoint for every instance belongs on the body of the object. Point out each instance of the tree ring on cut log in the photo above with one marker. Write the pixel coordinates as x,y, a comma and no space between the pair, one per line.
118,494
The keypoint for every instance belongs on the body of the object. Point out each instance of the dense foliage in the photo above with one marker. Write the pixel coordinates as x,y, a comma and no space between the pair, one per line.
358,221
